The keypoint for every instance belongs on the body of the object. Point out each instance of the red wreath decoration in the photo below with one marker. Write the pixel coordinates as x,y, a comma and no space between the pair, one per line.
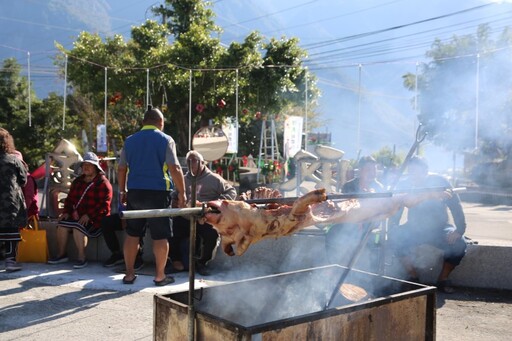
199,108
115,98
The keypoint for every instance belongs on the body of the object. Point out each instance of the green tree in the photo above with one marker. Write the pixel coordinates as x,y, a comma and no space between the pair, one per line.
464,99
45,129
388,158
179,16
13,96
271,82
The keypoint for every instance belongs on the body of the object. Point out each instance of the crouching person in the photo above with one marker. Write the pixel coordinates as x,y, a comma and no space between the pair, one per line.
429,224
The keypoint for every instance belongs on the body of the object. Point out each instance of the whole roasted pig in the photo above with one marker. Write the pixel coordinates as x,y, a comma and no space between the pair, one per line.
241,224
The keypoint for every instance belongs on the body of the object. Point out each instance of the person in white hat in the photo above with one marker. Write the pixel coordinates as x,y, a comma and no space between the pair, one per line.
87,203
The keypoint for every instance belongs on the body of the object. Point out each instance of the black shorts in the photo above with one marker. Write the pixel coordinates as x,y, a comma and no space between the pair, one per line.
141,199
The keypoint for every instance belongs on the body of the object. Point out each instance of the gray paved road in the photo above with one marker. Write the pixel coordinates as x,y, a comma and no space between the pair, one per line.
57,303
489,223
63,305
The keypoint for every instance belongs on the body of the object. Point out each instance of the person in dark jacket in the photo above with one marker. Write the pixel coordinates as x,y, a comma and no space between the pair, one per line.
209,186
13,214
429,223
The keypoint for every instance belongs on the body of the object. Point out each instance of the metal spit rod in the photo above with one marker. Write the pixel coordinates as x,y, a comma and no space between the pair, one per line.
329,197
173,212
163,212
347,196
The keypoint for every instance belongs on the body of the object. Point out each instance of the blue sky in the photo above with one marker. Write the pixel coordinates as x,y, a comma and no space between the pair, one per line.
358,49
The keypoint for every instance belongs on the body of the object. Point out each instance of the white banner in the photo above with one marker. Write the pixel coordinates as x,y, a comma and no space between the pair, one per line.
101,138
230,128
292,136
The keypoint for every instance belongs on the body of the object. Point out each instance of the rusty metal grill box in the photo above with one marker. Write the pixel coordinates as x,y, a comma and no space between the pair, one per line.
291,306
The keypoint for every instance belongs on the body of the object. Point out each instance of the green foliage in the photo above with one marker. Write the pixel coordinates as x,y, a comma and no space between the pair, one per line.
180,15
13,94
45,129
450,108
387,157
230,170
270,75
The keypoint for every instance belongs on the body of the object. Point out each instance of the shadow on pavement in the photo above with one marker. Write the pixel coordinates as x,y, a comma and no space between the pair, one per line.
41,306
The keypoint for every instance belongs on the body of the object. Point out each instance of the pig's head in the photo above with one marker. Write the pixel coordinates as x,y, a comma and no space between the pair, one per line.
231,219
224,215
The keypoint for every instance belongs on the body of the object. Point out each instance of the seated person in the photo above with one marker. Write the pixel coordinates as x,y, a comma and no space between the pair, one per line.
209,186
428,223
109,225
342,240
87,203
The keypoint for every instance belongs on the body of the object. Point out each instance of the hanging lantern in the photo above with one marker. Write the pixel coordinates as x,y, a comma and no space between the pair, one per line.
221,103
258,115
199,108
245,111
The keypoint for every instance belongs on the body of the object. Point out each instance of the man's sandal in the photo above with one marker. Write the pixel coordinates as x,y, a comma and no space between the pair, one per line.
129,281
165,281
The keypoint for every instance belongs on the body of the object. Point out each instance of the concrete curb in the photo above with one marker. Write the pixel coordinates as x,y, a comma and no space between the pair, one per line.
486,264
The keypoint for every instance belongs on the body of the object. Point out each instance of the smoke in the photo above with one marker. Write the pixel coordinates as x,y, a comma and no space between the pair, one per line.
285,278
276,301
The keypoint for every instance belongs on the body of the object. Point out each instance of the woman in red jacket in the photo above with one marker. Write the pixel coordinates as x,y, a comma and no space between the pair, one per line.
87,203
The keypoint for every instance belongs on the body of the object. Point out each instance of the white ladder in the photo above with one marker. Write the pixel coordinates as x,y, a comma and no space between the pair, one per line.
269,149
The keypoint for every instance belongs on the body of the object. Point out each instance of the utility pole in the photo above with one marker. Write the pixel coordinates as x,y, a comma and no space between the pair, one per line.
163,13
